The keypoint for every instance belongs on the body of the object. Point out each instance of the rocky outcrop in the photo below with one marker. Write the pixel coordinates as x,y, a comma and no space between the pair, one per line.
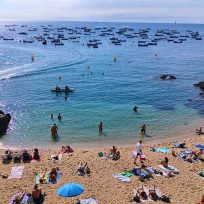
4,121
200,85
166,77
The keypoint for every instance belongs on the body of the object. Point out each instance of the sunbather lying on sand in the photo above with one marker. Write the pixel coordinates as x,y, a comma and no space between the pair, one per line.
42,176
140,194
53,175
199,131
83,169
19,197
202,201
153,195
67,149
115,154
197,155
165,162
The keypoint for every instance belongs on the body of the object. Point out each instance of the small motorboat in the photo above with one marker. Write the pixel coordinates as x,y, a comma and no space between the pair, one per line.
62,90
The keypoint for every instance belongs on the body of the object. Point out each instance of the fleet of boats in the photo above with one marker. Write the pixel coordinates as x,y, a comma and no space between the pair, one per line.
94,37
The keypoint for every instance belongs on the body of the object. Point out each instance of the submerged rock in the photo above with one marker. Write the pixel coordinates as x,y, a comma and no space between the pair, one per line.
166,77
4,121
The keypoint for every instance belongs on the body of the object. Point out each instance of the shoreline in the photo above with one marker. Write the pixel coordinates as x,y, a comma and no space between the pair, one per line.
109,143
180,132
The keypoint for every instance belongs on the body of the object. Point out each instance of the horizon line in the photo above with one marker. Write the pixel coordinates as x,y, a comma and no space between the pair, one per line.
91,21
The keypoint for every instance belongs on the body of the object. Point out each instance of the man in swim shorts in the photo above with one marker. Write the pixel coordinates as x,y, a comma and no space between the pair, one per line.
54,130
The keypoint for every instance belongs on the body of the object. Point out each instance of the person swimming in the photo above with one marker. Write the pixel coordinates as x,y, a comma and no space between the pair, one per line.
135,109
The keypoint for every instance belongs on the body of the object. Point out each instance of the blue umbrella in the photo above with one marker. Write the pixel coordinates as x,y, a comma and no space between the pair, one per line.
70,190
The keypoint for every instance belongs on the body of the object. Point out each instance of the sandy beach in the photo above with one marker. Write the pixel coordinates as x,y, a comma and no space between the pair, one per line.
184,188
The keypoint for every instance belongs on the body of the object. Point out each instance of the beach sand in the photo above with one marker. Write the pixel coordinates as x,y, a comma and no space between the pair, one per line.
185,188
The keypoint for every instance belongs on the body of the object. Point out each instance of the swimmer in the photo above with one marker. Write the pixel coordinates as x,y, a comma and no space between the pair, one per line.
135,109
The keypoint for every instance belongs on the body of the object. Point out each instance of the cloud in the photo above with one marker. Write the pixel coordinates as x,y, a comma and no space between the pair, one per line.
104,10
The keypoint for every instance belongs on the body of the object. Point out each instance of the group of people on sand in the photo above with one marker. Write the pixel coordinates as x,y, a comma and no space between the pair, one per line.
37,196
24,155
194,156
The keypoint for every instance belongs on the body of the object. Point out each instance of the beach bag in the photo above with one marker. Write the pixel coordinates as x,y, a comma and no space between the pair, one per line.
100,154
201,174
165,199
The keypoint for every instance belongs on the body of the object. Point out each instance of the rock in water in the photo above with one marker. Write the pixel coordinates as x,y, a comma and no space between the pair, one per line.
4,121
200,85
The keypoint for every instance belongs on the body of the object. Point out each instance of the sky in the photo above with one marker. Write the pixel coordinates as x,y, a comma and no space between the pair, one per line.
164,11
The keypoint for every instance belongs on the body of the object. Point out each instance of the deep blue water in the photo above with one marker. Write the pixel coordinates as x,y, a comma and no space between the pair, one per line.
104,90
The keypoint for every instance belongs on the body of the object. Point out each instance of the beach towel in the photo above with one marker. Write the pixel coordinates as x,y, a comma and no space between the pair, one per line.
122,178
25,199
16,172
147,192
186,152
89,201
127,173
161,150
168,169
199,146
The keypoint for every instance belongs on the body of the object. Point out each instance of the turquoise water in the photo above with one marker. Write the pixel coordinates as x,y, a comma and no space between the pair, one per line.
104,90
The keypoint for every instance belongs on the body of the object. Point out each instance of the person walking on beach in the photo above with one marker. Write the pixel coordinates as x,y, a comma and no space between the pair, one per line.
138,150
100,127
54,130
143,128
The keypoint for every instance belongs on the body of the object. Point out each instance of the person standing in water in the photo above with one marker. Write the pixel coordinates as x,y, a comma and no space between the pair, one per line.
54,130
143,128
51,116
59,117
100,127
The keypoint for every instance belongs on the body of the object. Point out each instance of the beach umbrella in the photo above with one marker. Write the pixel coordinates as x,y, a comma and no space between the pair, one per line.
70,190
199,146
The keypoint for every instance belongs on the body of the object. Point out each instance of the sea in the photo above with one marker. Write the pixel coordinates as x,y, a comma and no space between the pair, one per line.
108,82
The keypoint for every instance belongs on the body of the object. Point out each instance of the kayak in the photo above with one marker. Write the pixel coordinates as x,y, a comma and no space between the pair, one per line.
62,91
